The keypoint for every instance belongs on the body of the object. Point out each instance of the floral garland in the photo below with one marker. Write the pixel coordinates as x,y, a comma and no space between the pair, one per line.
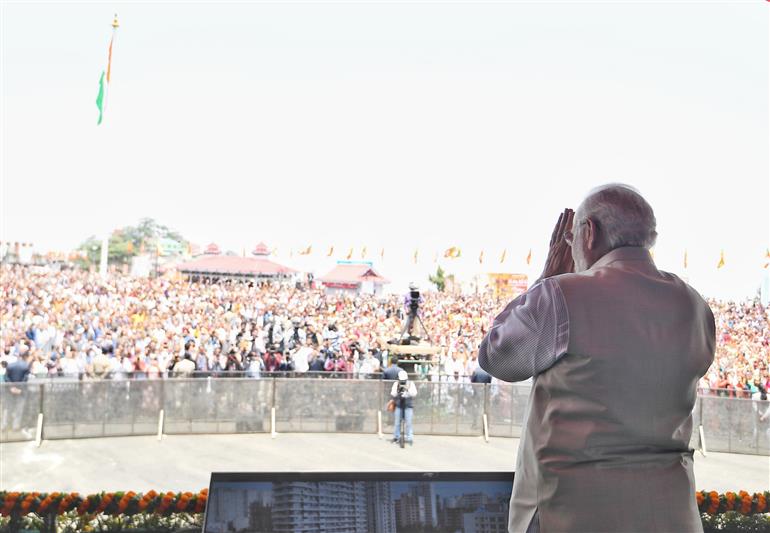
108,503
744,503
165,504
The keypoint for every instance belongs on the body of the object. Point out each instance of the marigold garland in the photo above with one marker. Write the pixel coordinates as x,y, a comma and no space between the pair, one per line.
744,503
108,503
130,502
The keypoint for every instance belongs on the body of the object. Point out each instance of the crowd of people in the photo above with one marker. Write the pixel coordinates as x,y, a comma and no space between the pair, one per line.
74,323
741,365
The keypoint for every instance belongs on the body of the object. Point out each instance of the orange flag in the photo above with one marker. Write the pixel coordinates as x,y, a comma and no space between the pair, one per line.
452,253
306,251
529,257
685,258
481,257
502,257
130,247
721,259
382,253
767,259
363,253
350,253
331,251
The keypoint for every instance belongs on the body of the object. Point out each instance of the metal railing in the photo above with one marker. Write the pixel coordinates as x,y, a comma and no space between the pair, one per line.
61,409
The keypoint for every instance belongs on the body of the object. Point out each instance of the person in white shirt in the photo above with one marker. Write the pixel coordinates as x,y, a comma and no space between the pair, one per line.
403,392
300,357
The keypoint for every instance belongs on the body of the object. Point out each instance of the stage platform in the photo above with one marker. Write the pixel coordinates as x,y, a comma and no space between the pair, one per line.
184,462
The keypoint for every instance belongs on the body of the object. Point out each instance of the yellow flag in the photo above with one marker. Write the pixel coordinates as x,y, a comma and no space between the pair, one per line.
350,253
382,253
721,259
331,251
363,253
452,253
685,258
529,257
767,259
502,257
130,247
415,256
481,257
307,250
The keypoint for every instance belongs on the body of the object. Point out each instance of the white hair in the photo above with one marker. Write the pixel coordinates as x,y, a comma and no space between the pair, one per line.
622,214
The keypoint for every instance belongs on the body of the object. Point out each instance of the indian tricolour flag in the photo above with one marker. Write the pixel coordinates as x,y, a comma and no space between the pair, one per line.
104,79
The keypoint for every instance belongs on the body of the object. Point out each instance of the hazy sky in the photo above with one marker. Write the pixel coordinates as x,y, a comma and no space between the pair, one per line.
397,125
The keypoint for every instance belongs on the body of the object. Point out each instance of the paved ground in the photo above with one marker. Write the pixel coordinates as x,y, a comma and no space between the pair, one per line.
185,462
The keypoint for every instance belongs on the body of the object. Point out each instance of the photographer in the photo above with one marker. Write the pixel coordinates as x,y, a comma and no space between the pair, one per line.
403,392
297,335
413,301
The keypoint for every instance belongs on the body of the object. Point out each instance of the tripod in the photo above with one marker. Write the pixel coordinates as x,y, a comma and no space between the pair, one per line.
409,327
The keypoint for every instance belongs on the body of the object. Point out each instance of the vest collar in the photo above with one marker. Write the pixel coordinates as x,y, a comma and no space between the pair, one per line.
623,254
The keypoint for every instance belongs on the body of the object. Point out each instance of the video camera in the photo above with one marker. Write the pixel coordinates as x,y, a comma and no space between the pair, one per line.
414,299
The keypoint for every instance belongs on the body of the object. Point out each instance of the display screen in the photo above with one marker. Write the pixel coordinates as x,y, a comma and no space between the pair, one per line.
359,503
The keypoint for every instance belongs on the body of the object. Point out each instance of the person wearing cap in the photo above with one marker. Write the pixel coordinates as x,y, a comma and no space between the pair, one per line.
403,392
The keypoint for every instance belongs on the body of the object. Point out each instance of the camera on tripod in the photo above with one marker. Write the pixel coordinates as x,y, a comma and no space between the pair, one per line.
414,299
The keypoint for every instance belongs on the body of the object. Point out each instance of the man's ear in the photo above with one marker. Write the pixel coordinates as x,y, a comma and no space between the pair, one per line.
591,234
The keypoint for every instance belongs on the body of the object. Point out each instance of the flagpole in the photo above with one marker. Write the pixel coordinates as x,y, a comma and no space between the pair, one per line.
115,27
106,237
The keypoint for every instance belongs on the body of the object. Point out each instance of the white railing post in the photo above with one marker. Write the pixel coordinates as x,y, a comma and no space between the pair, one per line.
161,416
39,432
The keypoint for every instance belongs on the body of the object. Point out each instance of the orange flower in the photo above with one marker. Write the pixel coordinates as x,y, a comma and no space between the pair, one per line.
699,498
84,505
181,505
106,500
44,504
746,504
730,501
64,504
761,502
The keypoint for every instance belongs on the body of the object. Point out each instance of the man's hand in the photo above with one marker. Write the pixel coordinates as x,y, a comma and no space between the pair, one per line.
559,260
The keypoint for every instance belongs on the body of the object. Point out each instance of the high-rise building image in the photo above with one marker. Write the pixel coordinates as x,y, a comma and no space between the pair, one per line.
380,509
260,517
490,519
416,508
330,506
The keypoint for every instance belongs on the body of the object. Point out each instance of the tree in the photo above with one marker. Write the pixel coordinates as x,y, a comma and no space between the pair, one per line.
438,280
125,243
